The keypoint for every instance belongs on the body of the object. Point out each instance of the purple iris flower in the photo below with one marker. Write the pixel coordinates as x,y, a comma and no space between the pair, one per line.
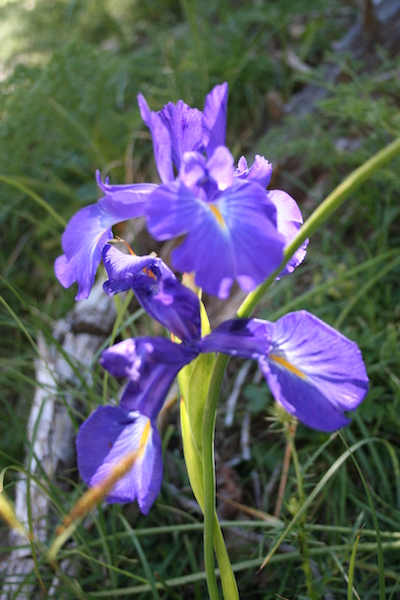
112,432
88,231
313,371
230,222
235,229
230,226
158,290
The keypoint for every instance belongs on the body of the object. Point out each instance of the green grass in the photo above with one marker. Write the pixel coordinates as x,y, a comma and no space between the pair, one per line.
68,107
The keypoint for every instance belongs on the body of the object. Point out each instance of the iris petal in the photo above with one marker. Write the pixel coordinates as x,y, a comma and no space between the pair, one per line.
184,125
88,231
243,244
151,364
214,118
260,171
161,140
106,438
248,338
158,290
289,221
316,373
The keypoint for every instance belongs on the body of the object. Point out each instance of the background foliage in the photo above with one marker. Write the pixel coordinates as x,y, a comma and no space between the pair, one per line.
70,74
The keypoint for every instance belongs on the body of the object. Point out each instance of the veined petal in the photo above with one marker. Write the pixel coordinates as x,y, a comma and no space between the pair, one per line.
161,140
316,373
106,438
207,250
184,125
248,338
289,220
159,292
88,231
151,364
171,210
260,171
234,237
214,118
257,243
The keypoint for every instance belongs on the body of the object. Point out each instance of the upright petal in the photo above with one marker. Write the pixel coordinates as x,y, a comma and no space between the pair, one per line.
88,231
161,140
159,292
316,373
289,220
184,125
151,364
260,171
220,167
214,118
106,438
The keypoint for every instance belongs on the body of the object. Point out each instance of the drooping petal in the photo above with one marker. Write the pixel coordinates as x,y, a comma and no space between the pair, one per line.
158,290
316,373
122,268
234,237
151,364
106,438
260,171
172,210
247,338
214,118
88,231
172,304
161,140
289,220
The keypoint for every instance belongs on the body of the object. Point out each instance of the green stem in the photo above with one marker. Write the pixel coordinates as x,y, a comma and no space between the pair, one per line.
210,410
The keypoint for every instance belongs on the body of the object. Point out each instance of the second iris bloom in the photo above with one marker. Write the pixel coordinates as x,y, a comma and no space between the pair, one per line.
313,371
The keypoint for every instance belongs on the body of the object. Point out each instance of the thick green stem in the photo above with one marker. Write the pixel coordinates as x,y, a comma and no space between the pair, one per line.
212,531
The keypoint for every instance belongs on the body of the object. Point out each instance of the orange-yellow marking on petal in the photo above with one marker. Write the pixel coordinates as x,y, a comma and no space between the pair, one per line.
144,438
217,214
287,365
